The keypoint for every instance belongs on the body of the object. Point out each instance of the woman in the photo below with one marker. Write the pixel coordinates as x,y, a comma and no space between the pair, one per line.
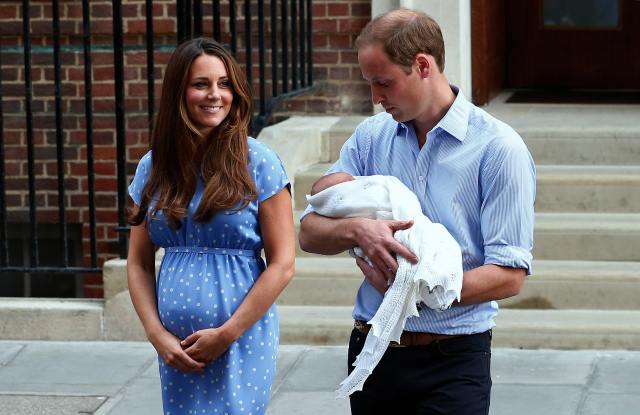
213,198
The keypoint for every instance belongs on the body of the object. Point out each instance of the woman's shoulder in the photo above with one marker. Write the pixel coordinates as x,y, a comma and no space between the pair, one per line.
146,160
260,152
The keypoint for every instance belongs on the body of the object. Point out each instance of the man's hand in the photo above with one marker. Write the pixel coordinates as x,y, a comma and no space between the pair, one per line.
375,238
376,278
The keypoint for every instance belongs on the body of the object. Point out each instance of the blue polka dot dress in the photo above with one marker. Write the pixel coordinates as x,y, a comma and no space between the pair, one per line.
207,270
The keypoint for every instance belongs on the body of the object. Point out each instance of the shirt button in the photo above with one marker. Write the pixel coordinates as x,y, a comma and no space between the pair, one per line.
421,178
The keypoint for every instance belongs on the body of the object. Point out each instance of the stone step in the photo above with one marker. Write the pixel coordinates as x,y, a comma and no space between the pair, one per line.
559,188
337,135
334,281
564,142
606,146
587,236
614,189
529,329
51,319
574,236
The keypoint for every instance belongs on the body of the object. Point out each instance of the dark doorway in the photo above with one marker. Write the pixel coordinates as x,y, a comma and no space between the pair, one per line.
563,44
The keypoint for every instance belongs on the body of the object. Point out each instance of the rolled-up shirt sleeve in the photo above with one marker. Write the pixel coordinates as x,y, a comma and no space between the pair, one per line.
508,183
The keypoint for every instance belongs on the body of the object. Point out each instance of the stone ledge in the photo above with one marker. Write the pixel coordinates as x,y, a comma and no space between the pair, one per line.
50,319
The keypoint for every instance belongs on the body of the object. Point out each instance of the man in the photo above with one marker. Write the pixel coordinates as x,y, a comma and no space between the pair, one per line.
471,173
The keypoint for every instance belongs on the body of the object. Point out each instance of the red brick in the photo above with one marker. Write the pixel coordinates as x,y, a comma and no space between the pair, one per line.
76,201
330,57
78,168
320,41
105,105
352,25
361,10
10,12
109,216
137,89
74,74
101,10
13,137
102,58
93,279
104,122
104,138
101,26
93,292
105,168
136,58
325,25
103,185
135,153
131,11
104,153
159,26
349,56
338,9
319,10
295,105
12,169
106,201
340,41
72,11
317,105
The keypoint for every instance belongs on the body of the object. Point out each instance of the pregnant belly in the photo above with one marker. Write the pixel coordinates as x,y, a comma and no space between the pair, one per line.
197,299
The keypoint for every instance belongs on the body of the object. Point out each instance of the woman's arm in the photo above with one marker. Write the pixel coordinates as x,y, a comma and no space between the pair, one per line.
142,287
276,225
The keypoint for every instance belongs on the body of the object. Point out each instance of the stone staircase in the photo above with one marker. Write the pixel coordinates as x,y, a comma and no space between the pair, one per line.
585,290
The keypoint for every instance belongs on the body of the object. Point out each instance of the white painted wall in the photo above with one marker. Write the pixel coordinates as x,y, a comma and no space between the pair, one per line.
454,17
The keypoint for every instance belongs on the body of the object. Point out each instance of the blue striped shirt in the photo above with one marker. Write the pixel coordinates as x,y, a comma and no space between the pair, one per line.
475,176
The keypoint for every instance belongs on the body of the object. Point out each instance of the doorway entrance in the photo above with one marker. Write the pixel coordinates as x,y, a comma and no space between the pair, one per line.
559,45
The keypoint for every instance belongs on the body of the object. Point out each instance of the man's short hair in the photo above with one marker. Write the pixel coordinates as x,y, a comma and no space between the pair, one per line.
403,34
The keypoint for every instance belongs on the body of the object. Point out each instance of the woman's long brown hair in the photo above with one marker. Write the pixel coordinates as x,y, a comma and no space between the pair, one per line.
176,144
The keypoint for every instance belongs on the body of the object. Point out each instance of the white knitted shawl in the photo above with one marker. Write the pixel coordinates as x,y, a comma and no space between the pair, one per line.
436,280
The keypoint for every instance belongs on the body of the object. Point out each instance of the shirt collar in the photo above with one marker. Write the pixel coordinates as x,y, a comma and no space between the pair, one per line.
456,120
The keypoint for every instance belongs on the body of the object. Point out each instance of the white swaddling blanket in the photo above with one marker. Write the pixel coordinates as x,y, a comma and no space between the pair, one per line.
435,280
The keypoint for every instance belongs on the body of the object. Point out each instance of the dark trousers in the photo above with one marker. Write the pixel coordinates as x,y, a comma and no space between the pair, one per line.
451,376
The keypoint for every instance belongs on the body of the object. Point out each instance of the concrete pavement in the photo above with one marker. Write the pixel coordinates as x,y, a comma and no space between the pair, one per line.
121,378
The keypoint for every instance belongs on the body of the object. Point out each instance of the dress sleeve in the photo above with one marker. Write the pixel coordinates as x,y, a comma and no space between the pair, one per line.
140,178
269,172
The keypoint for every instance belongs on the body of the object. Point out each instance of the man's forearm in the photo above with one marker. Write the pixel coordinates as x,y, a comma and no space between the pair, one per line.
327,236
491,282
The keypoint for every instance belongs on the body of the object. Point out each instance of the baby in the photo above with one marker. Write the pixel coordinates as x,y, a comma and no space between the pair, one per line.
329,180
436,280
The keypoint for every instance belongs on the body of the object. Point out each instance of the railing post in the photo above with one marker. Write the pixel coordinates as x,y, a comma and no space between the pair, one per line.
118,60
59,138
88,110
4,244
150,63
28,90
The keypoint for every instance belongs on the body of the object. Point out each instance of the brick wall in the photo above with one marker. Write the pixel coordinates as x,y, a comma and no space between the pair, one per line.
341,90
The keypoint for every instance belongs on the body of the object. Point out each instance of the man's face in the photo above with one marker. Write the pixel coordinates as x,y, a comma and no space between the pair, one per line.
400,94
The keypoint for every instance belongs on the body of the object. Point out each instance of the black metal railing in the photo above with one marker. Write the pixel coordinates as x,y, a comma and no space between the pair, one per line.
278,30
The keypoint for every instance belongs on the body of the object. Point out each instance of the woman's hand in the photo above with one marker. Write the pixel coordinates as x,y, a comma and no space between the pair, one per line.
168,347
207,345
